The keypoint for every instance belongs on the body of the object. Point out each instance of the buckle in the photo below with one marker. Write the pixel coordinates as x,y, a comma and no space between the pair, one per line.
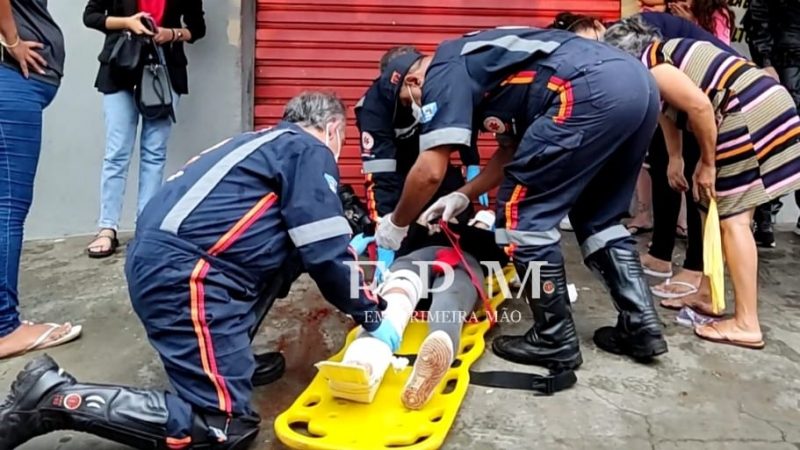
544,384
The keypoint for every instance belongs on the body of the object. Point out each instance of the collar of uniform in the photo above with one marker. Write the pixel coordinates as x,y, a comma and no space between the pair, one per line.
391,80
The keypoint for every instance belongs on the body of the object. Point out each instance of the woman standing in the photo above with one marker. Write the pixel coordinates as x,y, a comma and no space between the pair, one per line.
749,135
178,21
31,67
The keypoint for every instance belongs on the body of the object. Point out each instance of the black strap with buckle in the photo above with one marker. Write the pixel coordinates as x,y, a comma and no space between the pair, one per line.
544,384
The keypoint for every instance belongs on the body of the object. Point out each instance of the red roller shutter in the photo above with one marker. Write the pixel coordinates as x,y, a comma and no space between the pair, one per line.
336,44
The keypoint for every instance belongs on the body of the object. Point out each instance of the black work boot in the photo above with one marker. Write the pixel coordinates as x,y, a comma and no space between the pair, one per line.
638,332
764,232
269,368
551,342
44,398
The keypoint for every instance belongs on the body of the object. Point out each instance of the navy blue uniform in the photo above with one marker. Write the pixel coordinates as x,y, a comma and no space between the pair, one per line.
581,112
390,146
253,212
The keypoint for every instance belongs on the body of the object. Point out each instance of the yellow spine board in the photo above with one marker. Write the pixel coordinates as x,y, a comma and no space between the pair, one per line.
318,421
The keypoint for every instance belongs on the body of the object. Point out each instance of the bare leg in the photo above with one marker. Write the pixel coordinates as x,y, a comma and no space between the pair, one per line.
742,261
642,210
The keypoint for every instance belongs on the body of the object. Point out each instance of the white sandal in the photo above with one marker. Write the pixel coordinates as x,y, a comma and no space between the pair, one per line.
673,295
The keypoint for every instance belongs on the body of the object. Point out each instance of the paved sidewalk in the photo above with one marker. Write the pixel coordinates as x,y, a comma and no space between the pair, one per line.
700,396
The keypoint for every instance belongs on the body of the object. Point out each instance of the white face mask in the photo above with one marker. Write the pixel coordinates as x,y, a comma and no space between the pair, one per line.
416,111
338,150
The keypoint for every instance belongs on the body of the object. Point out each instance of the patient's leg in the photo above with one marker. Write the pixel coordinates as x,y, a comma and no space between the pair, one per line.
448,310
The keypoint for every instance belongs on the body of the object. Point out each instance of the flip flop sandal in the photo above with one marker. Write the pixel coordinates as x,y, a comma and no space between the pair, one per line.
723,339
654,273
637,230
104,254
41,342
673,295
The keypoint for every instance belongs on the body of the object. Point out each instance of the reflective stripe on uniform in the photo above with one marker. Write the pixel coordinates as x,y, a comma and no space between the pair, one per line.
504,236
204,185
380,166
445,136
512,44
319,231
600,240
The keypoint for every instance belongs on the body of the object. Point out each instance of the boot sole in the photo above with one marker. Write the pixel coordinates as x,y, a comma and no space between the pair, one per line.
553,364
651,350
433,362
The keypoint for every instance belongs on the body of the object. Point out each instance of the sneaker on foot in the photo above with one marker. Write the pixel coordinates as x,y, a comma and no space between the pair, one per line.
433,361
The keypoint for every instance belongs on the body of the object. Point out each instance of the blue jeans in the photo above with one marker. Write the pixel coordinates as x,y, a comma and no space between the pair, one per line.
21,104
122,122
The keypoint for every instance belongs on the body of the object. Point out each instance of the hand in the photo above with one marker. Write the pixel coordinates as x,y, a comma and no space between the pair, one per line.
682,10
388,235
136,26
360,242
28,58
773,73
387,334
165,35
677,180
446,208
386,258
472,172
704,181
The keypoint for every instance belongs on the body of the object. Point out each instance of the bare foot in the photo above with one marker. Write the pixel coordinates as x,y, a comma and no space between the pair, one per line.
23,338
731,332
656,265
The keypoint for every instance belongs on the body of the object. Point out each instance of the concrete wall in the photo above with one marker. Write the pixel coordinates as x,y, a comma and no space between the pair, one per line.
67,193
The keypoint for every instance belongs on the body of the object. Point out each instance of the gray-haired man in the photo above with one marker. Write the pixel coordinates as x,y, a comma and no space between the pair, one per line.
237,220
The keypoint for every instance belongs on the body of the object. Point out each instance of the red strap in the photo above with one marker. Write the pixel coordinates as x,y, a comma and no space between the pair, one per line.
477,282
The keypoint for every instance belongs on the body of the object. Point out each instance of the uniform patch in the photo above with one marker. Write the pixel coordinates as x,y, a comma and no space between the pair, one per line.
367,142
72,402
548,287
428,111
396,76
332,183
494,125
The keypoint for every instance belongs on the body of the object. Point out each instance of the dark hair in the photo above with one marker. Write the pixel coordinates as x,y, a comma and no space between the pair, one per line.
704,10
574,22
394,52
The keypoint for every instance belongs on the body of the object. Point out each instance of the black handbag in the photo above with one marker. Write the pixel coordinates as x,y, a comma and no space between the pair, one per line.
153,93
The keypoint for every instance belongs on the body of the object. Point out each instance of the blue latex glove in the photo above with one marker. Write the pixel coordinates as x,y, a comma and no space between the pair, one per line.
472,172
385,256
360,242
388,335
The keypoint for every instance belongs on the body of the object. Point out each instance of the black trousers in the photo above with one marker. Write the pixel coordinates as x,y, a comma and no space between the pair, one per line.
667,203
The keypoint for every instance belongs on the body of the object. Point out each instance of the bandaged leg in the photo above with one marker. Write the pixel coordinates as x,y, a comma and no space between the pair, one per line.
449,309
366,359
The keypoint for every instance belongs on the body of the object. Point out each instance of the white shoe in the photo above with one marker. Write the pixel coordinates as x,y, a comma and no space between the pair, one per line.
433,361
565,224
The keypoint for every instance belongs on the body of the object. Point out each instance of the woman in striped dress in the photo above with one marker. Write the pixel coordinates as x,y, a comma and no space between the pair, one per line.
749,136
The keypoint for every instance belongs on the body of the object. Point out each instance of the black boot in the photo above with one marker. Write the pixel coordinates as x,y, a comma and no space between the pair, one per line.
638,332
551,342
269,368
764,232
44,398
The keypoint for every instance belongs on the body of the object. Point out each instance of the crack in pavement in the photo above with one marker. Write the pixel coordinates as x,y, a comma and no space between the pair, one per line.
645,417
768,422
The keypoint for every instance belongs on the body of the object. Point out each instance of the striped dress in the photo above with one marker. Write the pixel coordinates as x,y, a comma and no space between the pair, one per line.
758,142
